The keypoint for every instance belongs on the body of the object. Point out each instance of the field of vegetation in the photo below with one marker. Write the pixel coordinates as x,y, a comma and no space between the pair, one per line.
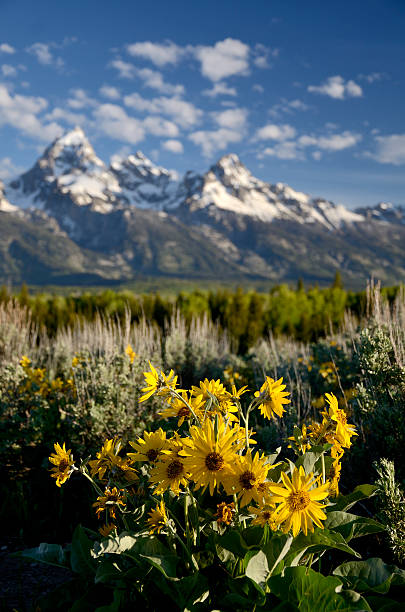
221,450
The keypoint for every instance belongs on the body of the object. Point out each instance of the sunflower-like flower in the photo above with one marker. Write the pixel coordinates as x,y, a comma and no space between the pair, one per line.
298,501
225,513
108,459
169,473
210,454
215,399
150,447
63,463
249,472
106,529
272,397
158,382
112,500
344,430
264,515
179,409
157,518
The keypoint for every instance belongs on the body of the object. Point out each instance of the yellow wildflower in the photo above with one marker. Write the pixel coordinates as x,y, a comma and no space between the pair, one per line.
112,500
298,501
62,459
150,447
158,383
157,518
108,459
131,353
344,430
264,516
272,397
225,513
249,472
210,454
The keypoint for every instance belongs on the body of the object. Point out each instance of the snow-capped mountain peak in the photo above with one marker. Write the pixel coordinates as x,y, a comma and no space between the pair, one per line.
72,150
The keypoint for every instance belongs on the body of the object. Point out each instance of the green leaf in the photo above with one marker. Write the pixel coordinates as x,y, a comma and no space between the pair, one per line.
370,575
317,542
51,554
276,550
345,502
350,525
107,572
81,558
257,568
166,564
62,597
384,604
191,590
308,591
308,460
233,541
115,545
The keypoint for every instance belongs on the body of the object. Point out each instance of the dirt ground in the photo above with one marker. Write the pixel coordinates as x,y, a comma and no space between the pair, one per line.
22,582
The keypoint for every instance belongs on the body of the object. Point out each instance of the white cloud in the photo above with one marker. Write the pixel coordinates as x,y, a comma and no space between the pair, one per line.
6,48
21,113
216,140
284,150
332,142
317,155
110,92
125,69
160,127
258,88
287,107
220,89
66,116
275,132
233,118
336,87
154,80
226,58
114,122
158,53
182,112
390,149
80,99
174,146
44,55
8,71
8,169
262,55
372,77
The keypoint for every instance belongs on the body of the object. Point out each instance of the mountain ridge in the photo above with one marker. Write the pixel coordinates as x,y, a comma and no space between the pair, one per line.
134,217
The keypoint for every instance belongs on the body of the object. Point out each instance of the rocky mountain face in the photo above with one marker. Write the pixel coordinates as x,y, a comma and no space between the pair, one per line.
71,218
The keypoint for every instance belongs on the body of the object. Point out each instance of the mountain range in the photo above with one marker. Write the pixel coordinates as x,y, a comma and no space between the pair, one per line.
73,220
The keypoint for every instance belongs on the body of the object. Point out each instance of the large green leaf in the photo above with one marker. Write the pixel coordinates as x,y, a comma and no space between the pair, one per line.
276,550
370,575
81,558
166,564
382,603
350,525
51,554
345,502
257,568
317,542
233,541
310,591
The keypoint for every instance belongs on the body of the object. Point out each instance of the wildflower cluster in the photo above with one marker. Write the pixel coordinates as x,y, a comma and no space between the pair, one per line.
213,453
185,503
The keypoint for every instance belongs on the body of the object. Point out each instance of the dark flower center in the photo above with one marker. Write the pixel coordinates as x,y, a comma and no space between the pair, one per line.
245,480
174,469
214,461
183,412
152,454
266,515
63,465
298,500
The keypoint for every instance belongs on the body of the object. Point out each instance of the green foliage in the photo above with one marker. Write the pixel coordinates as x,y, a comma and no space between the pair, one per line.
391,506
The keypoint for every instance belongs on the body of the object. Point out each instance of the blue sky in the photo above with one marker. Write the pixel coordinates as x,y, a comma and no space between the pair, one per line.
307,93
